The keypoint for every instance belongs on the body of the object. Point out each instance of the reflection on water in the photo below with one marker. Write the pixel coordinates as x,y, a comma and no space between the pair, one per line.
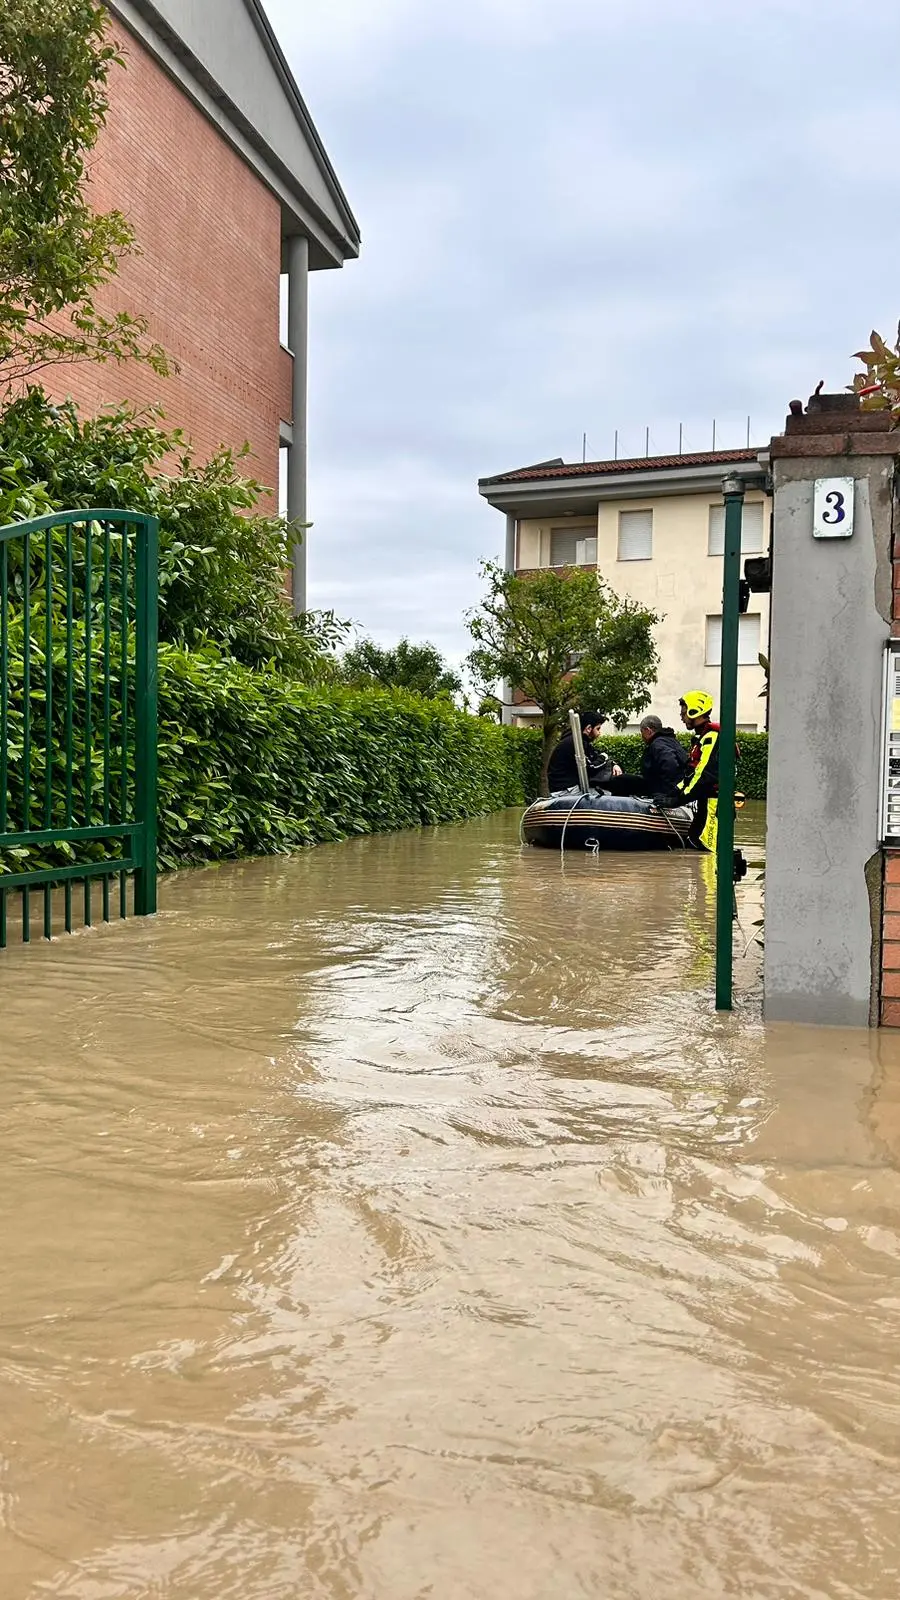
398,1221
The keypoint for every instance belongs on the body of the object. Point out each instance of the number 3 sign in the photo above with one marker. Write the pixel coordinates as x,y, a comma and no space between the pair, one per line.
833,508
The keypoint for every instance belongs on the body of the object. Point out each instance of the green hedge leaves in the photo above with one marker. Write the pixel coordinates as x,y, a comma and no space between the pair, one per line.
251,763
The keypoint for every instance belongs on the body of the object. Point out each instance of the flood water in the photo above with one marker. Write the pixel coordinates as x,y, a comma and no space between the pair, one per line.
399,1221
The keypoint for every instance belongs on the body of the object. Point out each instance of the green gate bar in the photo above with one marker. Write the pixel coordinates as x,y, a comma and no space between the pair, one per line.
733,492
4,685
98,590
145,718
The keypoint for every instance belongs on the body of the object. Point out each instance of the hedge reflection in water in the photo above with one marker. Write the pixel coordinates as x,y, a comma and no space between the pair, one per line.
398,1220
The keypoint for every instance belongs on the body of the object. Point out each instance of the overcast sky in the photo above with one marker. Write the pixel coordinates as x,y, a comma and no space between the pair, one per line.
577,216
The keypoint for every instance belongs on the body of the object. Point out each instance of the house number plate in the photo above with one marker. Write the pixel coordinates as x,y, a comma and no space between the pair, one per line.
833,508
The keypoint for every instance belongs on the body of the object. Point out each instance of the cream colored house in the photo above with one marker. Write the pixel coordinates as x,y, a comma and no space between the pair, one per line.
654,530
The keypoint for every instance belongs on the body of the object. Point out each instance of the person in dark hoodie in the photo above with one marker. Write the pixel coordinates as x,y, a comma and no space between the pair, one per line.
562,773
663,766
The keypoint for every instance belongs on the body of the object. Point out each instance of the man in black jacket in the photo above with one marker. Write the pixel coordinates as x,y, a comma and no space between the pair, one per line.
663,765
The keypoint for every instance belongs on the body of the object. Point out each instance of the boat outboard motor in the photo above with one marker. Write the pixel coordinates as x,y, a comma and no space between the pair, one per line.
580,757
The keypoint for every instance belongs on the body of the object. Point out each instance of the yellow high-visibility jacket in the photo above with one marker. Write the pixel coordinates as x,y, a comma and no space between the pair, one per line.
704,777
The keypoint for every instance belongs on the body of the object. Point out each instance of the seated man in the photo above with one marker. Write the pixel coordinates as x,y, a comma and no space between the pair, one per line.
663,763
663,766
562,772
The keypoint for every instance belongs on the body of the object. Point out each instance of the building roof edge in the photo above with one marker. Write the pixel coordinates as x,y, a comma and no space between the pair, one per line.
341,227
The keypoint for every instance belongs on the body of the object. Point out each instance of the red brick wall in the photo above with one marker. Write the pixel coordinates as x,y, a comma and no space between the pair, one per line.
890,947
890,913
207,277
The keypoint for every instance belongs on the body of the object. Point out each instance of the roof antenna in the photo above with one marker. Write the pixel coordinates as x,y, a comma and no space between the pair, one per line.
680,437
616,447
748,433
647,443
583,448
714,433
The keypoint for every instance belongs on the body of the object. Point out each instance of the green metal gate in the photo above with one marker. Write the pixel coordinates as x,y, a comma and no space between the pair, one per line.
78,718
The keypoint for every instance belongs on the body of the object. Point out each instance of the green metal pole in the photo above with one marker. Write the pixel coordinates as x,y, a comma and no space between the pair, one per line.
733,492
145,711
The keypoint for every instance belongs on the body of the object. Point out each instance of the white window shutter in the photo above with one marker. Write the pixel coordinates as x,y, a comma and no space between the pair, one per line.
635,535
749,636
749,642
752,530
752,540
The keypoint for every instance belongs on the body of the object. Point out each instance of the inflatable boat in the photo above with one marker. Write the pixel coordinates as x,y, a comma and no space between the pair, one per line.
573,820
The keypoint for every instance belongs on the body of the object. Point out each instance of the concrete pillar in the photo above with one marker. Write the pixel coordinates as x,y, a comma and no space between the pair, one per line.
297,253
509,563
831,615
512,527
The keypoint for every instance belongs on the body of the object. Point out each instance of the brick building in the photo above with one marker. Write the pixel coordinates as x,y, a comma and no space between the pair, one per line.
211,154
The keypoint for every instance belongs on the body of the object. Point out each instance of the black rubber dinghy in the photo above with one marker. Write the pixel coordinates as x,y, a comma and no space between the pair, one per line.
575,821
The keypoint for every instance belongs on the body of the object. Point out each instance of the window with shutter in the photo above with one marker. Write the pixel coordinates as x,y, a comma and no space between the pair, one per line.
752,530
749,640
749,636
635,535
562,547
572,547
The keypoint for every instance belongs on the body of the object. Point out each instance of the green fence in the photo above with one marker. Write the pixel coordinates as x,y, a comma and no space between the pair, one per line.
78,735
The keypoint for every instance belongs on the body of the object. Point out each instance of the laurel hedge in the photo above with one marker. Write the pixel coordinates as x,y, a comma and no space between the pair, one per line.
261,749
251,763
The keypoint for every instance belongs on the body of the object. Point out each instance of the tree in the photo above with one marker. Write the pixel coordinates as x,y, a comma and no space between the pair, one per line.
55,251
566,641
221,561
418,667
879,386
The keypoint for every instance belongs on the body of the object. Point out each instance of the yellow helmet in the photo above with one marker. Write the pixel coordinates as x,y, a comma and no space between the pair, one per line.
697,704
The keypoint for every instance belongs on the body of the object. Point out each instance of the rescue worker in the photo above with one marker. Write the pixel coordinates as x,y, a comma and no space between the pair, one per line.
701,782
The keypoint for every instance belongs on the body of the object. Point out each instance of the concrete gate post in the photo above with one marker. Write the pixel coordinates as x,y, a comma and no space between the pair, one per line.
510,558
831,614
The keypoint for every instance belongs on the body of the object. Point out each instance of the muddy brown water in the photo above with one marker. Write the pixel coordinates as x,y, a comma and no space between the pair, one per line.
398,1221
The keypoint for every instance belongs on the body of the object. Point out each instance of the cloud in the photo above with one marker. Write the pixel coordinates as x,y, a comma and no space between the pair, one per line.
857,145
577,217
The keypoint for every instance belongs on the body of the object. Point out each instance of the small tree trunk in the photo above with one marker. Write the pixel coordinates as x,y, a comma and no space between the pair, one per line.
547,748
